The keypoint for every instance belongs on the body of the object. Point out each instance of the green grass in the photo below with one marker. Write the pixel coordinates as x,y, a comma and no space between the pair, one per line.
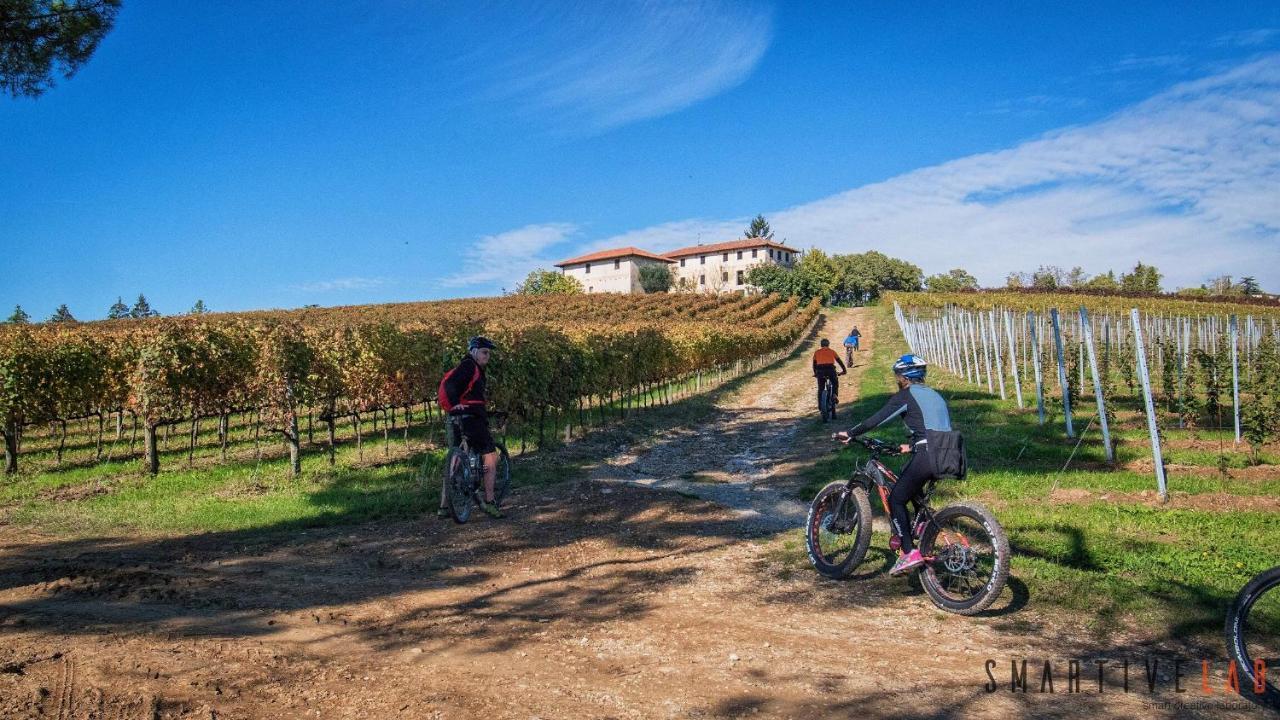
1169,570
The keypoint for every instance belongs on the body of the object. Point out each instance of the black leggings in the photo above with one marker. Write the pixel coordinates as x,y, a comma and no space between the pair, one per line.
919,470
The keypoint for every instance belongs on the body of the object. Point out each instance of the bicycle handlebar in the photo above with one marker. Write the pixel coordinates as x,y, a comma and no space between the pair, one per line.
877,447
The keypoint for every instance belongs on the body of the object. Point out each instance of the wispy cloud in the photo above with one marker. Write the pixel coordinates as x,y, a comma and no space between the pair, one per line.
508,257
595,66
352,283
1139,63
1247,38
1188,179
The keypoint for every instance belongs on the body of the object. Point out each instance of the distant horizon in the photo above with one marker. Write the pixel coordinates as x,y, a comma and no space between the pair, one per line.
448,151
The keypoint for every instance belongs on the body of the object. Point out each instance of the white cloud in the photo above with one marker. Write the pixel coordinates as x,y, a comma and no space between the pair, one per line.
508,257
1188,179
595,66
354,283
1246,38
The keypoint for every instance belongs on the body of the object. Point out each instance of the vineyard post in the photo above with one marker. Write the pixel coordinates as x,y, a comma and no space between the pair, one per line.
1062,372
1035,360
986,349
1087,331
1013,356
1156,455
995,350
1235,376
973,347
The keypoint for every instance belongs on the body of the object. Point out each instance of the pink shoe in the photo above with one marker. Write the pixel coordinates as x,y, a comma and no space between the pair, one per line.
907,562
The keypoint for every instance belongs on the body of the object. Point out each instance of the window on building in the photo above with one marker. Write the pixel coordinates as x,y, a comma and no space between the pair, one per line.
753,252
739,254
702,259
724,276
591,288
788,257
725,258
588,267
681,262
739,277
702,279
770,253
617,264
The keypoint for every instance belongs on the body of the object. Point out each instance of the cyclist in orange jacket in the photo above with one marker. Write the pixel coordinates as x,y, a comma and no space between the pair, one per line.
824,367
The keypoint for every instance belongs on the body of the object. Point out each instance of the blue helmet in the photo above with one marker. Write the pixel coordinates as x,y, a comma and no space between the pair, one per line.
912,367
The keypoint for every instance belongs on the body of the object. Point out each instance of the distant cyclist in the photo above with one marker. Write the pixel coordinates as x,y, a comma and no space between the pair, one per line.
824,368
922,409
851,344
462,395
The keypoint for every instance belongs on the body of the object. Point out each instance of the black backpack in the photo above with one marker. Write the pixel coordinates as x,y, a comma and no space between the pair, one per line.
946,449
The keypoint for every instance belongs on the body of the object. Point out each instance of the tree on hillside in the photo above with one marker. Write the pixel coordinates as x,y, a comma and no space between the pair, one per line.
142,308
548,282
1249,286
1015,280
655,278
19,316
1223,286
43,38
1143,279
838,278
1103,282
119,310
1048,277
199,308
1077,278
953,281
62,314
759,229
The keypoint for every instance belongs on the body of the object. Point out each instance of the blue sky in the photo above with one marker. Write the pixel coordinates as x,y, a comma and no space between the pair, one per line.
274,155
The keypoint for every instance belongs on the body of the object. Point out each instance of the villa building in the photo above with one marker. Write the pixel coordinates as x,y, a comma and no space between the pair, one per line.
616,270
719,267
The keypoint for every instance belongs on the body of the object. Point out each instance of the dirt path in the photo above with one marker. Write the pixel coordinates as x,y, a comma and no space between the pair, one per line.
749,454
596,599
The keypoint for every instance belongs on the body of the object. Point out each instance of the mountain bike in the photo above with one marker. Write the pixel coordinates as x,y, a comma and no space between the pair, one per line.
1253,637
827,399
464,471
966,551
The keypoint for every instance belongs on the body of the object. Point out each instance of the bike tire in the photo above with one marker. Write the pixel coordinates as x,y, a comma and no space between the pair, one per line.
990,583
457,473
502,480
824,402
1237,635
856,511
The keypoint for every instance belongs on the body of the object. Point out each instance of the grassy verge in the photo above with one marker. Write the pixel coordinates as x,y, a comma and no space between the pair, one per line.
1167,570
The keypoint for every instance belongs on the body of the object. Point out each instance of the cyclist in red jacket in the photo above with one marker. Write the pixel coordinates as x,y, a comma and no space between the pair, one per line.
462,395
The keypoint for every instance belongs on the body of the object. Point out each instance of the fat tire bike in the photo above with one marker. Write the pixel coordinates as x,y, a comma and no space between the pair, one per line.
966,551
463,471
827,399
1253,638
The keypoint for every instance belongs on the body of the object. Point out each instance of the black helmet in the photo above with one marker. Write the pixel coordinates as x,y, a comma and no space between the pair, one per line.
481,342
825,342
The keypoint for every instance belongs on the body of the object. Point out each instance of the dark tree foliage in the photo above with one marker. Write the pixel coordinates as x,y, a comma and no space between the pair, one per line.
142,308
43,38
62,314
759,229
655,278
19,316
119,310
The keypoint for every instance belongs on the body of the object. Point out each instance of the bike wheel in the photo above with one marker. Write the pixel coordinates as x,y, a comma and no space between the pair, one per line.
502,481
838,529
969,558
1253,637
457,473
824,402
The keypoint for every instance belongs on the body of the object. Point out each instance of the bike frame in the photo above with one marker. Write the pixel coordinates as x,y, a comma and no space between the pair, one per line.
883,478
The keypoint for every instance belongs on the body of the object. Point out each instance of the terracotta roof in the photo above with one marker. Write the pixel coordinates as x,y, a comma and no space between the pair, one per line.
611,254
745,244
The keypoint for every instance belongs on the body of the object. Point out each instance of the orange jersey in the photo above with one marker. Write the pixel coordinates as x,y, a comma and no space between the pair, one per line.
825,356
